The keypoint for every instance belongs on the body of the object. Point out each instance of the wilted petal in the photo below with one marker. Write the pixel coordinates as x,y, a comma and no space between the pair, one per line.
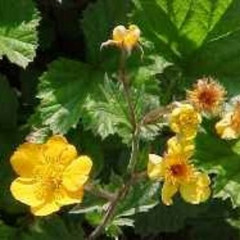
224,129
119,33
132,37
76,174
229,134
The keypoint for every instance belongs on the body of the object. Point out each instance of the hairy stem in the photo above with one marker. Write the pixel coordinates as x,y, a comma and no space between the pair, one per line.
122,192
134,152
135,126
110,212
126,89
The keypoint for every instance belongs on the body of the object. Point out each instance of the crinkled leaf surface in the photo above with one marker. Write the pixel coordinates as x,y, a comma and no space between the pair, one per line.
63,91
65,88
18,33
195,35
108,113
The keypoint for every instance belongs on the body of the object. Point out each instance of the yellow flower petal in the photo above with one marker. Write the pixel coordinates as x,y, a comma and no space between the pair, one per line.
203,180
185,120
58,147
132,37
56,179
224,129
196,191
124,38
177,145
27,191
76,174
168,191
223,124
26,158
229,134
45,209
65,197
155,167
119,33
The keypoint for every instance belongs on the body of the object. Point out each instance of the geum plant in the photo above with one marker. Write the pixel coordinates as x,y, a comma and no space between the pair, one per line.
52,175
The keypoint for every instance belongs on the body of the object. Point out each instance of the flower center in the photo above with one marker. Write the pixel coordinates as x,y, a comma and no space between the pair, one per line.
207,98
49,175
178,170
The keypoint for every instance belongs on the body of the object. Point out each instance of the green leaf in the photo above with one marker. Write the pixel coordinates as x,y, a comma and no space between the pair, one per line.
201,36
231,84
63,91
18,34
218,215
71,91
139,199
68,87
108,113
187,24
166,219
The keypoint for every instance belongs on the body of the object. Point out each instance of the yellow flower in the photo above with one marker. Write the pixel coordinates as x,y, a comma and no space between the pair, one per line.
180,146
178,174
51,175
185,120
207,96
124,38
229,126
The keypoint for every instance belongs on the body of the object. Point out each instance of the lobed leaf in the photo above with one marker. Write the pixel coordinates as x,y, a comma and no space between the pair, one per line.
18,31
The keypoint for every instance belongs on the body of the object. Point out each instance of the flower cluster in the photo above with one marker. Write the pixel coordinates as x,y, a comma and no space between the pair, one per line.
175,168
51,175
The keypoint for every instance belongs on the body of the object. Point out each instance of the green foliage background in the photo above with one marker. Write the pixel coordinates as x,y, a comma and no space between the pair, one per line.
55,80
